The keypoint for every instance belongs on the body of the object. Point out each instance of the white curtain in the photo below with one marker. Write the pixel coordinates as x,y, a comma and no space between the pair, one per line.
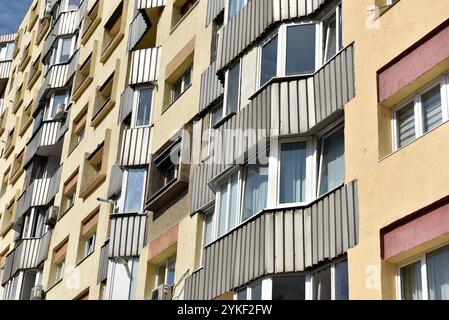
438,274
256,187
411,288
293,172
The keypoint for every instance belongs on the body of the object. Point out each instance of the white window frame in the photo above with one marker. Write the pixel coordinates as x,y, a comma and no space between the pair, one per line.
226,86
182,79
135,108
164,264
87,245
228,5
121,202
309,279
337,13
51,105
418,110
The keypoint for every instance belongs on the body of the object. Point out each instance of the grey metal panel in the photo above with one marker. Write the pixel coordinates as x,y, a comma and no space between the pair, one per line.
7,272
136,147
104,263
279,241
66,23
5,69
148,4
127,237
115,181
46,136
214,7
137,30
145,65
44,246
126,104
54,185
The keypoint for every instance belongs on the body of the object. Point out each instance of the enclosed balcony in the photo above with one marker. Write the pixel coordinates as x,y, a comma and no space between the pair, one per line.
128,234
145,65
29,254
135,147
278,241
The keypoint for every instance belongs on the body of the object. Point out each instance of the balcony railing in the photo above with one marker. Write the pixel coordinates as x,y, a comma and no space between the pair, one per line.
277,242
28,254
145,65
136,147
5,69
47,135
128,234
211,88
285,106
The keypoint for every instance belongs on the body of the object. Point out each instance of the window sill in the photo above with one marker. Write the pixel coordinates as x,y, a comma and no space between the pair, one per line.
102,113
78,92
65,212
174,101
33,79
109,50
177,24
54,285
84,259
92,185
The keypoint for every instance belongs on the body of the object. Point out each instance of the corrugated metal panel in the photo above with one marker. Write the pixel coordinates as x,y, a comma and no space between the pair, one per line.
147,4
5,69
7,272
214,7
35,196
128,235
211,87
115,181
145,65
54,185
65,123
44,246
137,30
8,37
126,104
104,263
278,242
254,20
136,147
46,136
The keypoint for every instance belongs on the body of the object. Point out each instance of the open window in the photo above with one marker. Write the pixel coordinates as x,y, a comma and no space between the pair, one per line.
133,190
88,235
217,25
69,193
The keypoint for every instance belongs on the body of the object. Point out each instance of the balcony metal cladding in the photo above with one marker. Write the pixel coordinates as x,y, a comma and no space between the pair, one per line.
65,123
115,181
145,65
136,147
148,4
8,37
127,235
277,242
29,254
47,135
254,20
5,69
104,263
214,7
67,23
126,104
137,29
211,88
283,107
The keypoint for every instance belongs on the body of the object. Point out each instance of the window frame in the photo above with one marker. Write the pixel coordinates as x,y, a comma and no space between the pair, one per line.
122,200
166,265
51,107
55,56
226,112
182,80
89,248
136,103
416,99
337,13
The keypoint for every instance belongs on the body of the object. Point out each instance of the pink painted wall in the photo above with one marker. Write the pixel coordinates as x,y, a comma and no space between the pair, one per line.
413,64
424,228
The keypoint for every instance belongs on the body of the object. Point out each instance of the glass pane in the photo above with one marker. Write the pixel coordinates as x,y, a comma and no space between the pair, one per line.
176,89
232,104
300,49
330,38
216,114
406,124
234,7
65,50
187,79
432,111
133,280
333,162
144,107
73,4
256,185
293,172
241,294
322,289
171,268
135,185
289,288
411,282
341,281
256,291
2,52
269,61
161,274
58,99
438,274
222,215
208,228
233,212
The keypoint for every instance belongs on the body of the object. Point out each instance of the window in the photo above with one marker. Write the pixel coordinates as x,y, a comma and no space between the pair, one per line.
329,282
332,162
135,181
90,245
166,272
142,114
58,99
60,270
234,6
421,113
232,101
59,259
255,194
63,50
166,168
181,84
180,9
103,100
72,5
426,278
122,279
293,172
269,60
112,33
300,58
69,193
332,34
216,28
34,226
94,169
79,129
6,51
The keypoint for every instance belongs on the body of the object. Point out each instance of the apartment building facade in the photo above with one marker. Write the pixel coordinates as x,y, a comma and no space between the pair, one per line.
225,149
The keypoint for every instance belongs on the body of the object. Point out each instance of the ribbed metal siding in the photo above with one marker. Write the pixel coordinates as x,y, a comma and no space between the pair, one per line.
7,271
46,136
147,4
277,242
44,246
291,106
35,196
5,69
115,181
104,263
8,37
136,147
214,7
54,185
255,19
211,87
128,235
145,65
126,104
67,23
137,30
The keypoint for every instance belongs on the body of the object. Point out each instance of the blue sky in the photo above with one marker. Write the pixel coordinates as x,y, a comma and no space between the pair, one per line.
11,14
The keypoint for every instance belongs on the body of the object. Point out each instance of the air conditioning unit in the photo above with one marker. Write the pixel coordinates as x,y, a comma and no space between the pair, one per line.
163,292
37,293
52,217
60,112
